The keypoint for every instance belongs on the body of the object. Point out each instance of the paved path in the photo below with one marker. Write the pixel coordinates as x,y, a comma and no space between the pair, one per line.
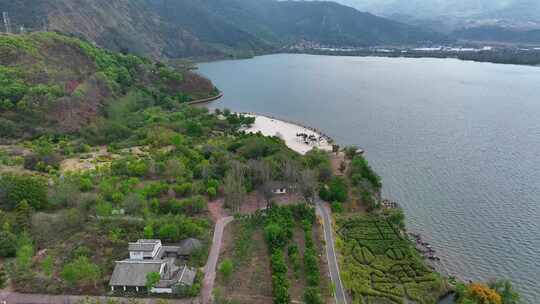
210,268
19,298
333,265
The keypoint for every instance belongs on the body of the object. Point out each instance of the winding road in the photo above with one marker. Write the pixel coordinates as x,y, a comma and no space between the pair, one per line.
333,266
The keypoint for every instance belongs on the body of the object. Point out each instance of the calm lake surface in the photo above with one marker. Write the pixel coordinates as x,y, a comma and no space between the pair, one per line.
457,144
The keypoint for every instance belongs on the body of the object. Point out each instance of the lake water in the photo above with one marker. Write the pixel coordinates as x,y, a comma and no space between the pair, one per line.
457,144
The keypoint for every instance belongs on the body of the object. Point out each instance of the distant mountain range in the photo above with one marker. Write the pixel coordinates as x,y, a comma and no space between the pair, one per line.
513,21
210,28
455,10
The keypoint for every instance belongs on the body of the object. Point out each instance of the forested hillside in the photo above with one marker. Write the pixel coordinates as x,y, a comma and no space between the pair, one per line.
497,33
204,28
56,84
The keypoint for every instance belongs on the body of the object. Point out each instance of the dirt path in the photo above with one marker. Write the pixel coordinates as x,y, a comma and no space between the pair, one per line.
216,209
210,268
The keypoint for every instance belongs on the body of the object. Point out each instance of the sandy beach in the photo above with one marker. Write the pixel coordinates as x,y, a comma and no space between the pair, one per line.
287,131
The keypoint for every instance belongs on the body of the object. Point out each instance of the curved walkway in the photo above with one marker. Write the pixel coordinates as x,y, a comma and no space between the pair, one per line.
333,266
204,100
210,268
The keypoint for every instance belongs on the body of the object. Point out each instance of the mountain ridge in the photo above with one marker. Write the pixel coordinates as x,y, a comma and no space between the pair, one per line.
210,28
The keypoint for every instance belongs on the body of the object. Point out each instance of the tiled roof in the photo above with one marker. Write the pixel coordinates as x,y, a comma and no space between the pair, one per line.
131,273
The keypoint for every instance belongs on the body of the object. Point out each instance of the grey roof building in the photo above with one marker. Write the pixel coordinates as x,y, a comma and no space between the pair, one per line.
147,256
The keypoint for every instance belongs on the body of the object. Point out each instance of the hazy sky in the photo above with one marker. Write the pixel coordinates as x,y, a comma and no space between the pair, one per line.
455,8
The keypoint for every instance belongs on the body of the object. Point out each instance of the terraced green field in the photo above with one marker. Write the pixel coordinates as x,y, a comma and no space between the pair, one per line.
379,265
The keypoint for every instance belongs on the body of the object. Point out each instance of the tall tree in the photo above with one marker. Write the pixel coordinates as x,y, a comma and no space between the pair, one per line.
3,278
308,184
24,258
260,171
23,214
290,170
234,186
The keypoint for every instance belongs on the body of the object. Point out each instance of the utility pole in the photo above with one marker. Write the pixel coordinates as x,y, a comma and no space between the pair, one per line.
7,22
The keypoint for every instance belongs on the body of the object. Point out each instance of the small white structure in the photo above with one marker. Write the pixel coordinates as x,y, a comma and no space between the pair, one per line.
278,187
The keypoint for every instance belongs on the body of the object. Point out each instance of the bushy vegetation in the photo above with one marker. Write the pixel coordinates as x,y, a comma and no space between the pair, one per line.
278,230
496,292
335,191
362,174
378,263
50,74
17,188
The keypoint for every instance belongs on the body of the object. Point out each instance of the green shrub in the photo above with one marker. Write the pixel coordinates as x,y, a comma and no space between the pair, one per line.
24,258
155,189
275,236
212,183
42,163
337,207
294,257
336,190
212,192
312,295
148,232
3,278
360,169
133,203
82,251
117,197
184,189
104,208
195,205
8,244
254,147
280,282
15,188
80,271
85,184
169,232
226,269
47,265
